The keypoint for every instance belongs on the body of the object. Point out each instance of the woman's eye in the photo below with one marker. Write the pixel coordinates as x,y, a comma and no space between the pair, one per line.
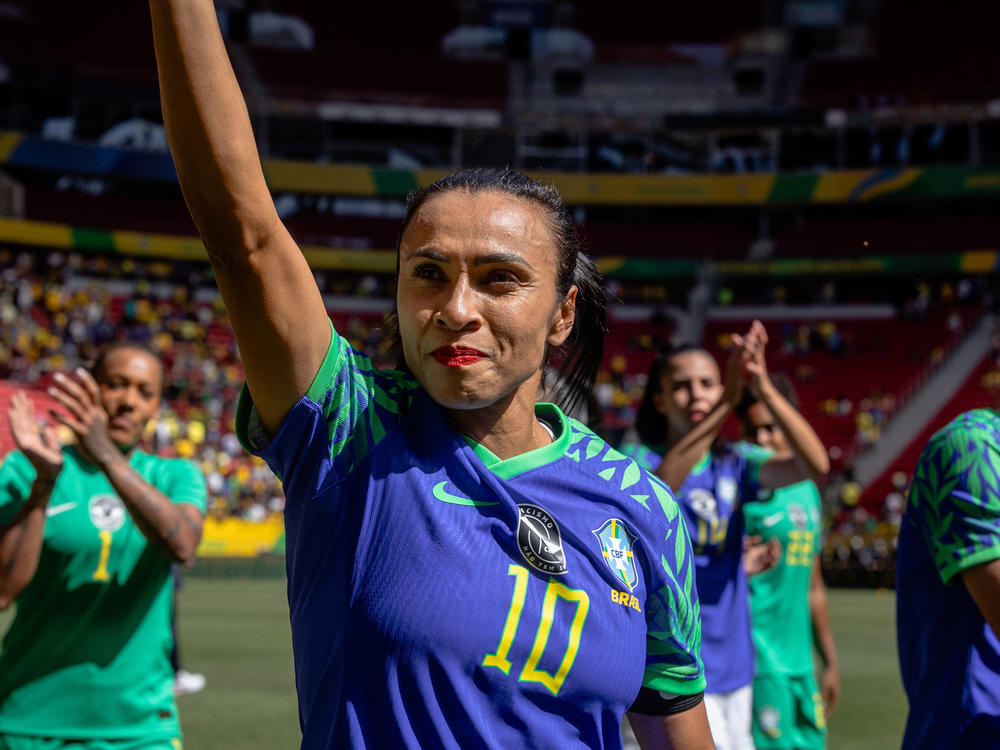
499,276
427,271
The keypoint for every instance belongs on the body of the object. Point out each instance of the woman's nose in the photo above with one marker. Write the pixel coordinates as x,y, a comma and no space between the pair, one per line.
458,309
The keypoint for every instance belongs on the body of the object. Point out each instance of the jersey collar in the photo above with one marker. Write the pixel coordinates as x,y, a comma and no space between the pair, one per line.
511,467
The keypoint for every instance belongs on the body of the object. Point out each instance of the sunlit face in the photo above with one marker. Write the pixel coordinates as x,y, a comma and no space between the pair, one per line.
759,427
690,387
130,382
477,299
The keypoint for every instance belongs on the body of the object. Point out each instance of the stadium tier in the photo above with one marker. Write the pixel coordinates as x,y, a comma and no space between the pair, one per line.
979,390
852,375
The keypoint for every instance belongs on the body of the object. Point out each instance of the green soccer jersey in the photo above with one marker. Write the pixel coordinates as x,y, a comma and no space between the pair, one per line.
88,653
779,598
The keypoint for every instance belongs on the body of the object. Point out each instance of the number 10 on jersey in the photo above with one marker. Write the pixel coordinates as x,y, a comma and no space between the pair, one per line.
553,592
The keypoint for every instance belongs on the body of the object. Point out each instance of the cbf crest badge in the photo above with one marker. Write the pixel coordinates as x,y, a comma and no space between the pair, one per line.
616,549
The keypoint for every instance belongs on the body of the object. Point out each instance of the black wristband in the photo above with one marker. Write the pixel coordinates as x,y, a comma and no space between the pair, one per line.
653,703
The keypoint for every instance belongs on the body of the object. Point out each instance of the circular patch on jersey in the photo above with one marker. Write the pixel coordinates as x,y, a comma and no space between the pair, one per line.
107,512
704,504
798,516
539,540
769,718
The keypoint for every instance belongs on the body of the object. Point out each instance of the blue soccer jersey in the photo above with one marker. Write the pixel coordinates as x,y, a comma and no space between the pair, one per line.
711,498
441,597
949,656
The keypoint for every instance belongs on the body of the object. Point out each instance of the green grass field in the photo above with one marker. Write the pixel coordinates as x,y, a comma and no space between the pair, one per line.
236,632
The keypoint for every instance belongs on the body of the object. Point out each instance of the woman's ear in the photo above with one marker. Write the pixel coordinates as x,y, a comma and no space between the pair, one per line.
563,318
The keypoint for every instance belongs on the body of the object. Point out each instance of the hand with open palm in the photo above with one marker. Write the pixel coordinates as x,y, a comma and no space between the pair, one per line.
37,442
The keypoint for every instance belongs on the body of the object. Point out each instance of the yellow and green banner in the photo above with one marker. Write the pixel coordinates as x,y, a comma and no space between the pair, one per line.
172,247
836,186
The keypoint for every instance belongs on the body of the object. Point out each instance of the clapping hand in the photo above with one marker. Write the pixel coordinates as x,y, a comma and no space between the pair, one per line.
746,365
749,350
85,416
38,443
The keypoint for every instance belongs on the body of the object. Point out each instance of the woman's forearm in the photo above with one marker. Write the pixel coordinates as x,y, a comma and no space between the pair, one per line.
21,543
173,527
686,452
802,438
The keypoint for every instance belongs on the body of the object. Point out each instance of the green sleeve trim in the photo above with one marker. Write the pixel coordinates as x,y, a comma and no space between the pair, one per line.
948,572
670,684
755,457
328,369
249,430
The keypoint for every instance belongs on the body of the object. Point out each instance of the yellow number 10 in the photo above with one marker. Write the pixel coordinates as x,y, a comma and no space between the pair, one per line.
531,672
101,574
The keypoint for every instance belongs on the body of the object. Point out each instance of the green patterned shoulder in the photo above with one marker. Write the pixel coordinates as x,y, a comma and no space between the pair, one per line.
966,453
955,494
673,642
620,471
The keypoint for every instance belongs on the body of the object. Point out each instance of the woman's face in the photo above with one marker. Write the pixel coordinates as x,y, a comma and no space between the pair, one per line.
690,388
477,298
130,383
759,427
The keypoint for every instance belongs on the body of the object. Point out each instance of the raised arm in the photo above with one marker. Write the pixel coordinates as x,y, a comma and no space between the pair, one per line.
21,539
809,459
276,310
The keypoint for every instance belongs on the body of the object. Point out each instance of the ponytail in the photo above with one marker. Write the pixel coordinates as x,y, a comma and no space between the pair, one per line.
583,350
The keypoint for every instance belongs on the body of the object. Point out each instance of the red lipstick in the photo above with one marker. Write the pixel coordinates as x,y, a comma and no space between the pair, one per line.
457,356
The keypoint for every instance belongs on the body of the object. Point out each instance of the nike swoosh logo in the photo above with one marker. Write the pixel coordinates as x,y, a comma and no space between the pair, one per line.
55,510
440,493
773,519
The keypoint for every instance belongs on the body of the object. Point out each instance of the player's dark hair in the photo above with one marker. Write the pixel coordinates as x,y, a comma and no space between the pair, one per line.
782,383
650,424
580,355
97,368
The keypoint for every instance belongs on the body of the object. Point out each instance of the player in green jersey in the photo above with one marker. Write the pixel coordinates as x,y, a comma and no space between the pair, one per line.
788,605
87,536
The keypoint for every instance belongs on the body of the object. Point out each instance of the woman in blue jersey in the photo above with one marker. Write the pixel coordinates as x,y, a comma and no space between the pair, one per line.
683,409
466,568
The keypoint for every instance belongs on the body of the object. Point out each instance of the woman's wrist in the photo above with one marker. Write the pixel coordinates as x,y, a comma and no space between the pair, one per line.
766,391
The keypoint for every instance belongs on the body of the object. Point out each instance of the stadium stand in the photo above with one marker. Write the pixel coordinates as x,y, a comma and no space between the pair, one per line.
852,374
979,390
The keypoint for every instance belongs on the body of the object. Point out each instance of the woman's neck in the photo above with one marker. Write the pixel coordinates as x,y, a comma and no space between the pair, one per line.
505,429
